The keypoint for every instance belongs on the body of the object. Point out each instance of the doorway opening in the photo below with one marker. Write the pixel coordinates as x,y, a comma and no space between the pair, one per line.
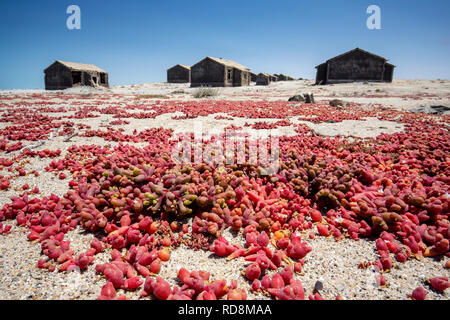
76,77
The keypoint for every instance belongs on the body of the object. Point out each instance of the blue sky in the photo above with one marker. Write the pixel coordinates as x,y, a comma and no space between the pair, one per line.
136,41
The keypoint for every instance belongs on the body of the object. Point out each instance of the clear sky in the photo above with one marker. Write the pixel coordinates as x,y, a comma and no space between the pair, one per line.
136,41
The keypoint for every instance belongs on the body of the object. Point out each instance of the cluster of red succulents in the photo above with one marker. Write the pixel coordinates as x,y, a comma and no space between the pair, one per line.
302,129
151,109
439,284
5,229
10,147
4,183
196,285
119,122
267,125
281,285
222,117
394,188
30,125
156,135
45,153
6,162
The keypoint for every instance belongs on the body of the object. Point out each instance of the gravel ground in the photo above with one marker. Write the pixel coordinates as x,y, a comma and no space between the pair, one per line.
335,264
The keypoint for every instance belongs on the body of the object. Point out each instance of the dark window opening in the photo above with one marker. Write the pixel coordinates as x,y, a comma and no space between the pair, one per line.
94,79
229,74
76,77
102,78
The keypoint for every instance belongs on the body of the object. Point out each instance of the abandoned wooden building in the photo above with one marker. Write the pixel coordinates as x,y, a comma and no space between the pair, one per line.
273,78
179,74
218,72
355,65
281,77
263,79
61,75
253,76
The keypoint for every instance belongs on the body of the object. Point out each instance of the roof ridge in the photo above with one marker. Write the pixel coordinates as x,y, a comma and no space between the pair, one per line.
80,66
183,65
357,49
230,63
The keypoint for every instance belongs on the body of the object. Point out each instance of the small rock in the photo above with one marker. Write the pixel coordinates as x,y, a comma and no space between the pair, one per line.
297,98
318,286
440,109
37,277
337,103
309,98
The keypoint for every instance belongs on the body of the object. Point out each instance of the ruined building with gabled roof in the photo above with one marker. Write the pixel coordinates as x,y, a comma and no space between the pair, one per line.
179,74
61,75
218,72
263,79
281,77
355,65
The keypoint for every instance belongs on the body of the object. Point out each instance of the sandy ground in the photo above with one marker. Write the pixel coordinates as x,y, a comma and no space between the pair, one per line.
330,262
401,94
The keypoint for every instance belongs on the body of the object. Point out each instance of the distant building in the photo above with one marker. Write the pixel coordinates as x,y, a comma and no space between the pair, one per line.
281,77
179,74
355,65
263,79
62,75
253,76
218,72
273,78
